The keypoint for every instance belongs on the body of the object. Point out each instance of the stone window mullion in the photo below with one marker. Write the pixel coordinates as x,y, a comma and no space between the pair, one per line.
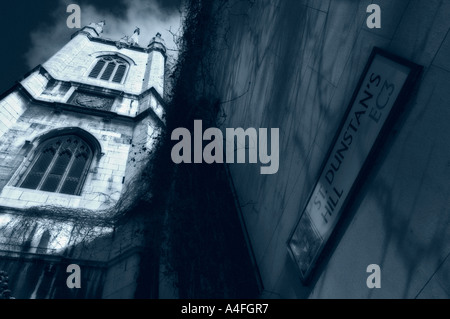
66,172
49,168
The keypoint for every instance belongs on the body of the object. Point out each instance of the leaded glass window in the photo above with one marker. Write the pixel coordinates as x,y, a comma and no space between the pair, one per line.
60,166
109,68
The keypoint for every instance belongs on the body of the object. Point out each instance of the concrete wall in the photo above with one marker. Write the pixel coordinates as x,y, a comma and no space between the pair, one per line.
294,65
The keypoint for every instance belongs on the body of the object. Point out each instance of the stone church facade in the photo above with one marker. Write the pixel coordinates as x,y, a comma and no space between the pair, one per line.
74,133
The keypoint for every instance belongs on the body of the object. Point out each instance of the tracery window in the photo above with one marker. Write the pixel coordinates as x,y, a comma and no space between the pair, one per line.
60,165
109,68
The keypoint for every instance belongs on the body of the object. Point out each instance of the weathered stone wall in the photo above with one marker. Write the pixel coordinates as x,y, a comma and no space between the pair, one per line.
75,60
103,184
107,255
155,76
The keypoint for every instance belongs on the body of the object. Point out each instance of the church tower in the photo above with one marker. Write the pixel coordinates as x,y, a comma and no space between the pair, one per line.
74,133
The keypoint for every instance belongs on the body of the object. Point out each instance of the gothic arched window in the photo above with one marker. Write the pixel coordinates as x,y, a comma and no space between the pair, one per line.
109,68
60,165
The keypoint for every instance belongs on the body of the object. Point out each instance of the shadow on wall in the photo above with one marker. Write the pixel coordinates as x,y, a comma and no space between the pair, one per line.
301,65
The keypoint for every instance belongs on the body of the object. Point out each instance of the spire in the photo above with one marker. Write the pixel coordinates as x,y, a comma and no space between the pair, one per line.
130,40
134,39
98,27
157,43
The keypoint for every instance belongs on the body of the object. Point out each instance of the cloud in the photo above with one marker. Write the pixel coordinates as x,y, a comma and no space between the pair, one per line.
148,15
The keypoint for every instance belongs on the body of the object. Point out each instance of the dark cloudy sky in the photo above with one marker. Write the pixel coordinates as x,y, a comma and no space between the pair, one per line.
32,31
